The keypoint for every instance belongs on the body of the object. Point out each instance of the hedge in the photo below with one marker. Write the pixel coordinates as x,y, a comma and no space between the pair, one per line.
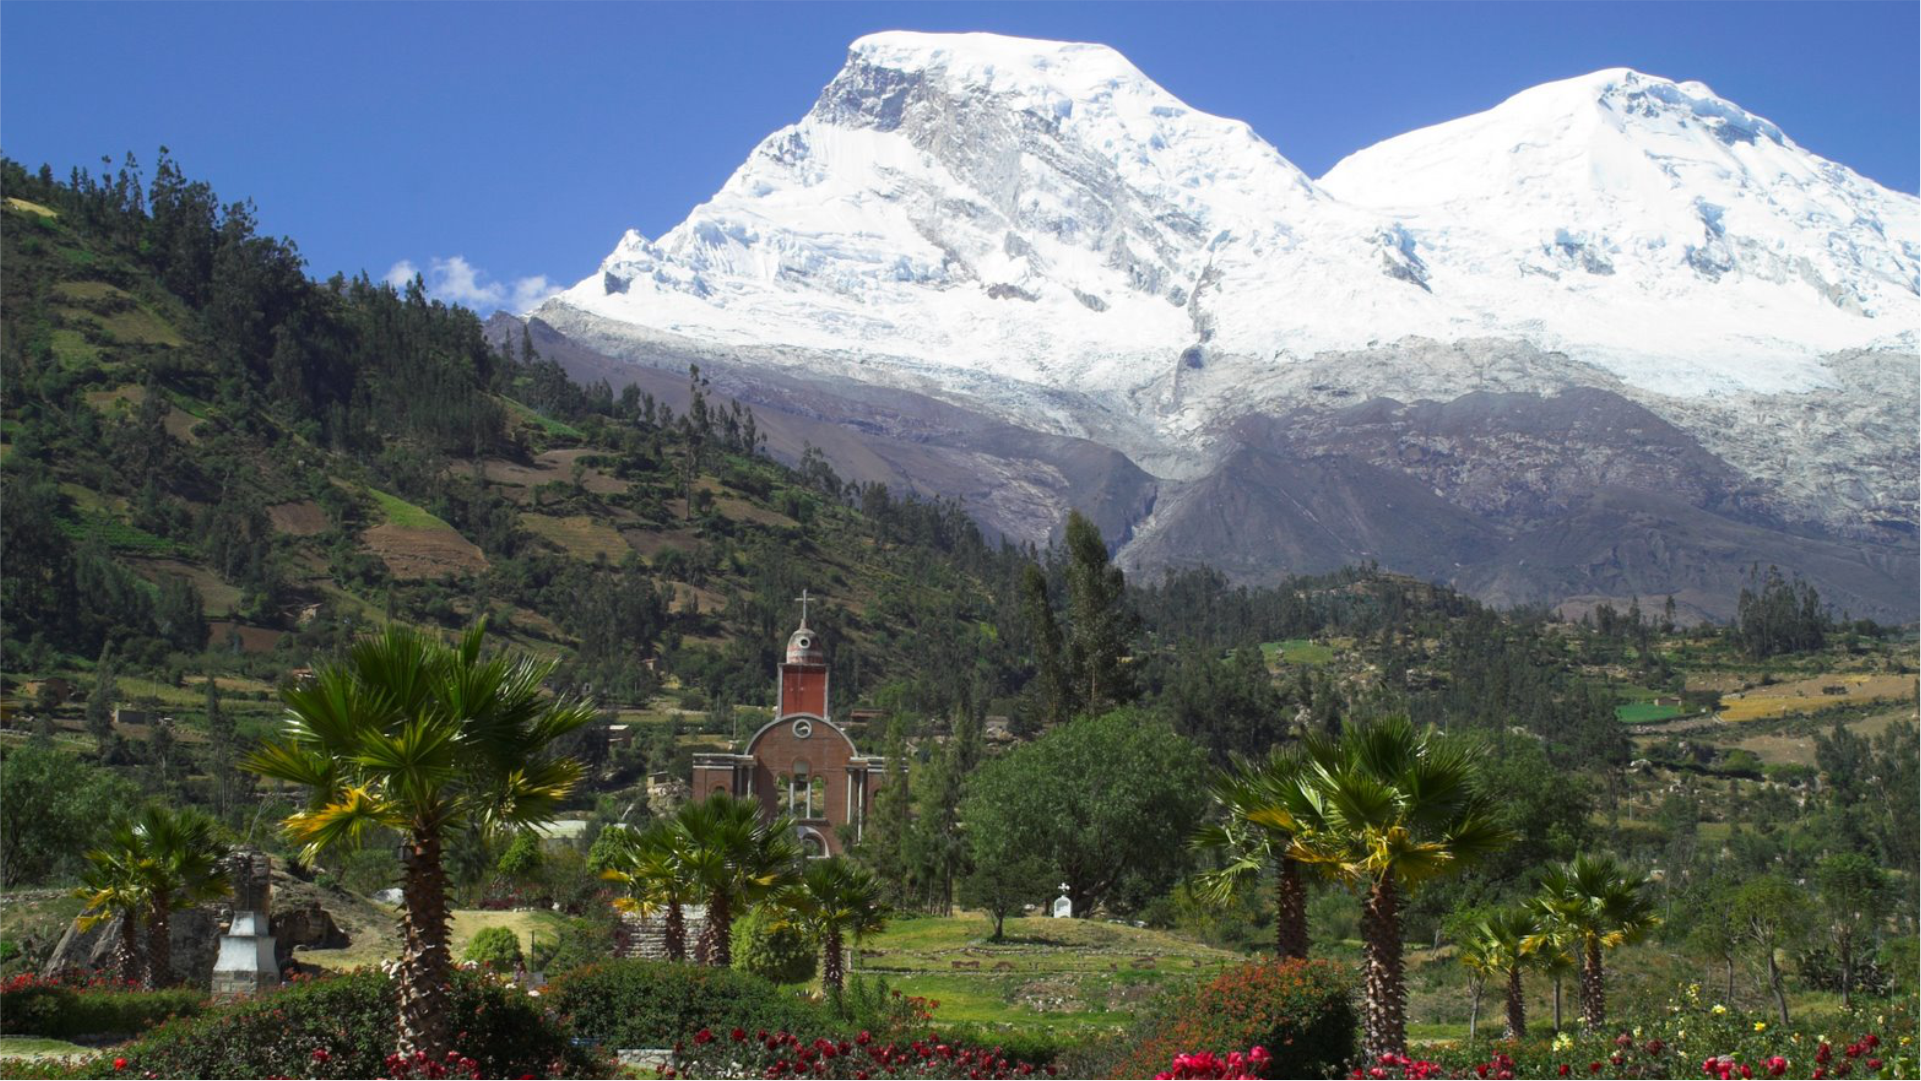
636,1003
343,1026
101,1008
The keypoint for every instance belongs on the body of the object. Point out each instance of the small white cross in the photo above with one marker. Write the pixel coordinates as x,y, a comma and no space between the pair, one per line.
803,607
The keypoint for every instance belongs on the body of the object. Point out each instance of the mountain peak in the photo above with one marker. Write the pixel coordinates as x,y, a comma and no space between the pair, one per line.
911,50
1010,212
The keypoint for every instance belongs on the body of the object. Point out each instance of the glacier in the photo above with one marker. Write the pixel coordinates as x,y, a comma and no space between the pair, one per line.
1038,231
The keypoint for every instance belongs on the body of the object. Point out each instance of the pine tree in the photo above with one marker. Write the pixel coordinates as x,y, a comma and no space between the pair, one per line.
223,751
1058,698
100,703
1100,622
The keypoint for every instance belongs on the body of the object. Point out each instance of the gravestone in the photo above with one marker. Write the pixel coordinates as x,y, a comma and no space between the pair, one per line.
247,964
1063,907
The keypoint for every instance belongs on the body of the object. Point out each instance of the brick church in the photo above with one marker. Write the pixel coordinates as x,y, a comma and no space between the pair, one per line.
801,762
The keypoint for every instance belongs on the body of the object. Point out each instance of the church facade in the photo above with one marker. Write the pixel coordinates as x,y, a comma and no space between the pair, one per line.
801,763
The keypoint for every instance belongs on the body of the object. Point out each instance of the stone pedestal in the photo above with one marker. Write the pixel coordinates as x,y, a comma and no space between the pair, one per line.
246,965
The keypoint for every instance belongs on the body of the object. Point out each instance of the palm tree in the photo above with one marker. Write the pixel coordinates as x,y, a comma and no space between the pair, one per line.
412,735
835,899
1253,834
732,859
1384,808
181,864
1553,957
1480,966
114,886
651,865
1500,945
1596,905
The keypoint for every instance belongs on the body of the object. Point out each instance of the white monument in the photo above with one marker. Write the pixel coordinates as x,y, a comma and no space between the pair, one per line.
1063,905
247,965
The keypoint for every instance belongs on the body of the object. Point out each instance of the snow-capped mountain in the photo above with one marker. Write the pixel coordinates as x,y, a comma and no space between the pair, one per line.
1668,233
1038,232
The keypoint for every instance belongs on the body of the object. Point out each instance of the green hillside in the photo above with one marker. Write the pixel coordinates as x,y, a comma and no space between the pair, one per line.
216,464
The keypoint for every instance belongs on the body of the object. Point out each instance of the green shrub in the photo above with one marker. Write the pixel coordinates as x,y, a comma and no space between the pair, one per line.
1901,957
57,1010
771,946
352,1020
1300,1011
636,1003
497,948
583,940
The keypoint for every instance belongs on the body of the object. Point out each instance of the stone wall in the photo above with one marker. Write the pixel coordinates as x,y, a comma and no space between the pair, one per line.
646,936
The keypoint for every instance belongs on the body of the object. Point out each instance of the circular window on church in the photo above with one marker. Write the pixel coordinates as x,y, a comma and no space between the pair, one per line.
803,641
803,729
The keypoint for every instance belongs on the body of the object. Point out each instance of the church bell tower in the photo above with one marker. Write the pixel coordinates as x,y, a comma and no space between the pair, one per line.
803,675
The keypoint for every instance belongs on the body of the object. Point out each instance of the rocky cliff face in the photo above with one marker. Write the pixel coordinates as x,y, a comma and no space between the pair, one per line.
1022,273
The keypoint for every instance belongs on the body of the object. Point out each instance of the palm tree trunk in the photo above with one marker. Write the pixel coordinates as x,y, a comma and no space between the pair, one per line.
1384,1026
425,960
1557,1003
1516,1006
126,952
831,962
716,945
674,935
1730,994
159,946
1290,912
1594,1006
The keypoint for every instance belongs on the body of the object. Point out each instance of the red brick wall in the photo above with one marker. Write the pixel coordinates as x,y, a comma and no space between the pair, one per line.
826,754
803,690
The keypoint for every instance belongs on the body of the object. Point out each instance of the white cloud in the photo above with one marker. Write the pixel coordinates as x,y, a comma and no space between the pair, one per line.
454,280
401,273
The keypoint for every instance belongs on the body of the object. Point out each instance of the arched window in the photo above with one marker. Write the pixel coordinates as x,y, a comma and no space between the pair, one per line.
799,790
812,845
817,797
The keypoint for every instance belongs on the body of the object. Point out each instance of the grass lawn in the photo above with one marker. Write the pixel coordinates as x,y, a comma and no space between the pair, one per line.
1645,712
34,1047
1297,651
381,942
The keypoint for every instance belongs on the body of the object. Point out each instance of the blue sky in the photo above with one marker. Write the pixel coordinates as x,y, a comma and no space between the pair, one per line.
503,147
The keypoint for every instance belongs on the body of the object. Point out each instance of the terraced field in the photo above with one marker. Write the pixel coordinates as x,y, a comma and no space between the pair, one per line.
1817,693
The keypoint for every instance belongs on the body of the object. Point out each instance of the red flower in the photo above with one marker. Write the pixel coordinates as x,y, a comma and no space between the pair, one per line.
120,1064
704,1036
739,1034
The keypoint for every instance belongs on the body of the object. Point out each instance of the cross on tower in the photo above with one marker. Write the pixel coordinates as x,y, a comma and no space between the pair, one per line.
803,599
